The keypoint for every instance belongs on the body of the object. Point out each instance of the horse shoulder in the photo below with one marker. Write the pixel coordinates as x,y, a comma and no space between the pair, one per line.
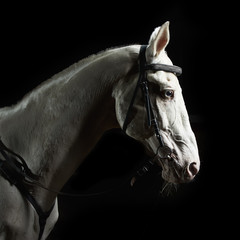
17,219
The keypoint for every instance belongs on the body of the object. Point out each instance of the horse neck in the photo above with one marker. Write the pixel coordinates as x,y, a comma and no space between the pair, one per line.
56,125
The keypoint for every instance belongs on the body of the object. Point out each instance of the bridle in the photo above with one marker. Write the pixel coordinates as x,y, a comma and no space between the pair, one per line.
143,84
15,170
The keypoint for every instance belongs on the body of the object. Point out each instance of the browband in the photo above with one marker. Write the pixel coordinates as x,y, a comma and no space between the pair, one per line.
157,66
163,67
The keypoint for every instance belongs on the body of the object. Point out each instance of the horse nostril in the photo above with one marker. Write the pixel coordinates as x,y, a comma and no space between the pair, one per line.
193,169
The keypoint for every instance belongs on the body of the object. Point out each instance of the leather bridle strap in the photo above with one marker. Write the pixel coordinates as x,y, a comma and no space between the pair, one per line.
140,80
164,67
143,83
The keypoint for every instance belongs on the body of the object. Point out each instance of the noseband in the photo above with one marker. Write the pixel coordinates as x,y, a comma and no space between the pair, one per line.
143,84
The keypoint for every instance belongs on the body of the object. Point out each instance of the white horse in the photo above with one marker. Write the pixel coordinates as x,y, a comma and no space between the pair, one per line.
55,126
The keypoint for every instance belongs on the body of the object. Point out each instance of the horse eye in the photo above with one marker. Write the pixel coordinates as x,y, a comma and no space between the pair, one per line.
168,94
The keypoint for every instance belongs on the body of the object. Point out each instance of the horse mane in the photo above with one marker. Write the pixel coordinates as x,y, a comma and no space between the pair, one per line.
75,67
61,76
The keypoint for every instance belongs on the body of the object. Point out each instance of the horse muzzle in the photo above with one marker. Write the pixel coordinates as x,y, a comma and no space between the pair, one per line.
175,170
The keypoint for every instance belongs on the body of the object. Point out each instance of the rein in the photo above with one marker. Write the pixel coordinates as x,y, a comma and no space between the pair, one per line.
18,174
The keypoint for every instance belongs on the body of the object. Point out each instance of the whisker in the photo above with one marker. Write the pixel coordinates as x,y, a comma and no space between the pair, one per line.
168,189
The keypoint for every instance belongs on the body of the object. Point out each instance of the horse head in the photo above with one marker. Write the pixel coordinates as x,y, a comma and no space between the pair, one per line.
170,112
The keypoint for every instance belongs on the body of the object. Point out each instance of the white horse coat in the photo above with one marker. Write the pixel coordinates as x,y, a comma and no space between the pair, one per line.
55,126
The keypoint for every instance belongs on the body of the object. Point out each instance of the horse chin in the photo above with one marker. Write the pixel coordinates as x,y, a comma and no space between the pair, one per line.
172,177
172,172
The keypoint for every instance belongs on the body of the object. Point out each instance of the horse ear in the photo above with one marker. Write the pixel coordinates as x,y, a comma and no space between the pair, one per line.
159,40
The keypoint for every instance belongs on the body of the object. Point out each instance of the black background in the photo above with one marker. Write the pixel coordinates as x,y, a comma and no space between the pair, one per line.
41,39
